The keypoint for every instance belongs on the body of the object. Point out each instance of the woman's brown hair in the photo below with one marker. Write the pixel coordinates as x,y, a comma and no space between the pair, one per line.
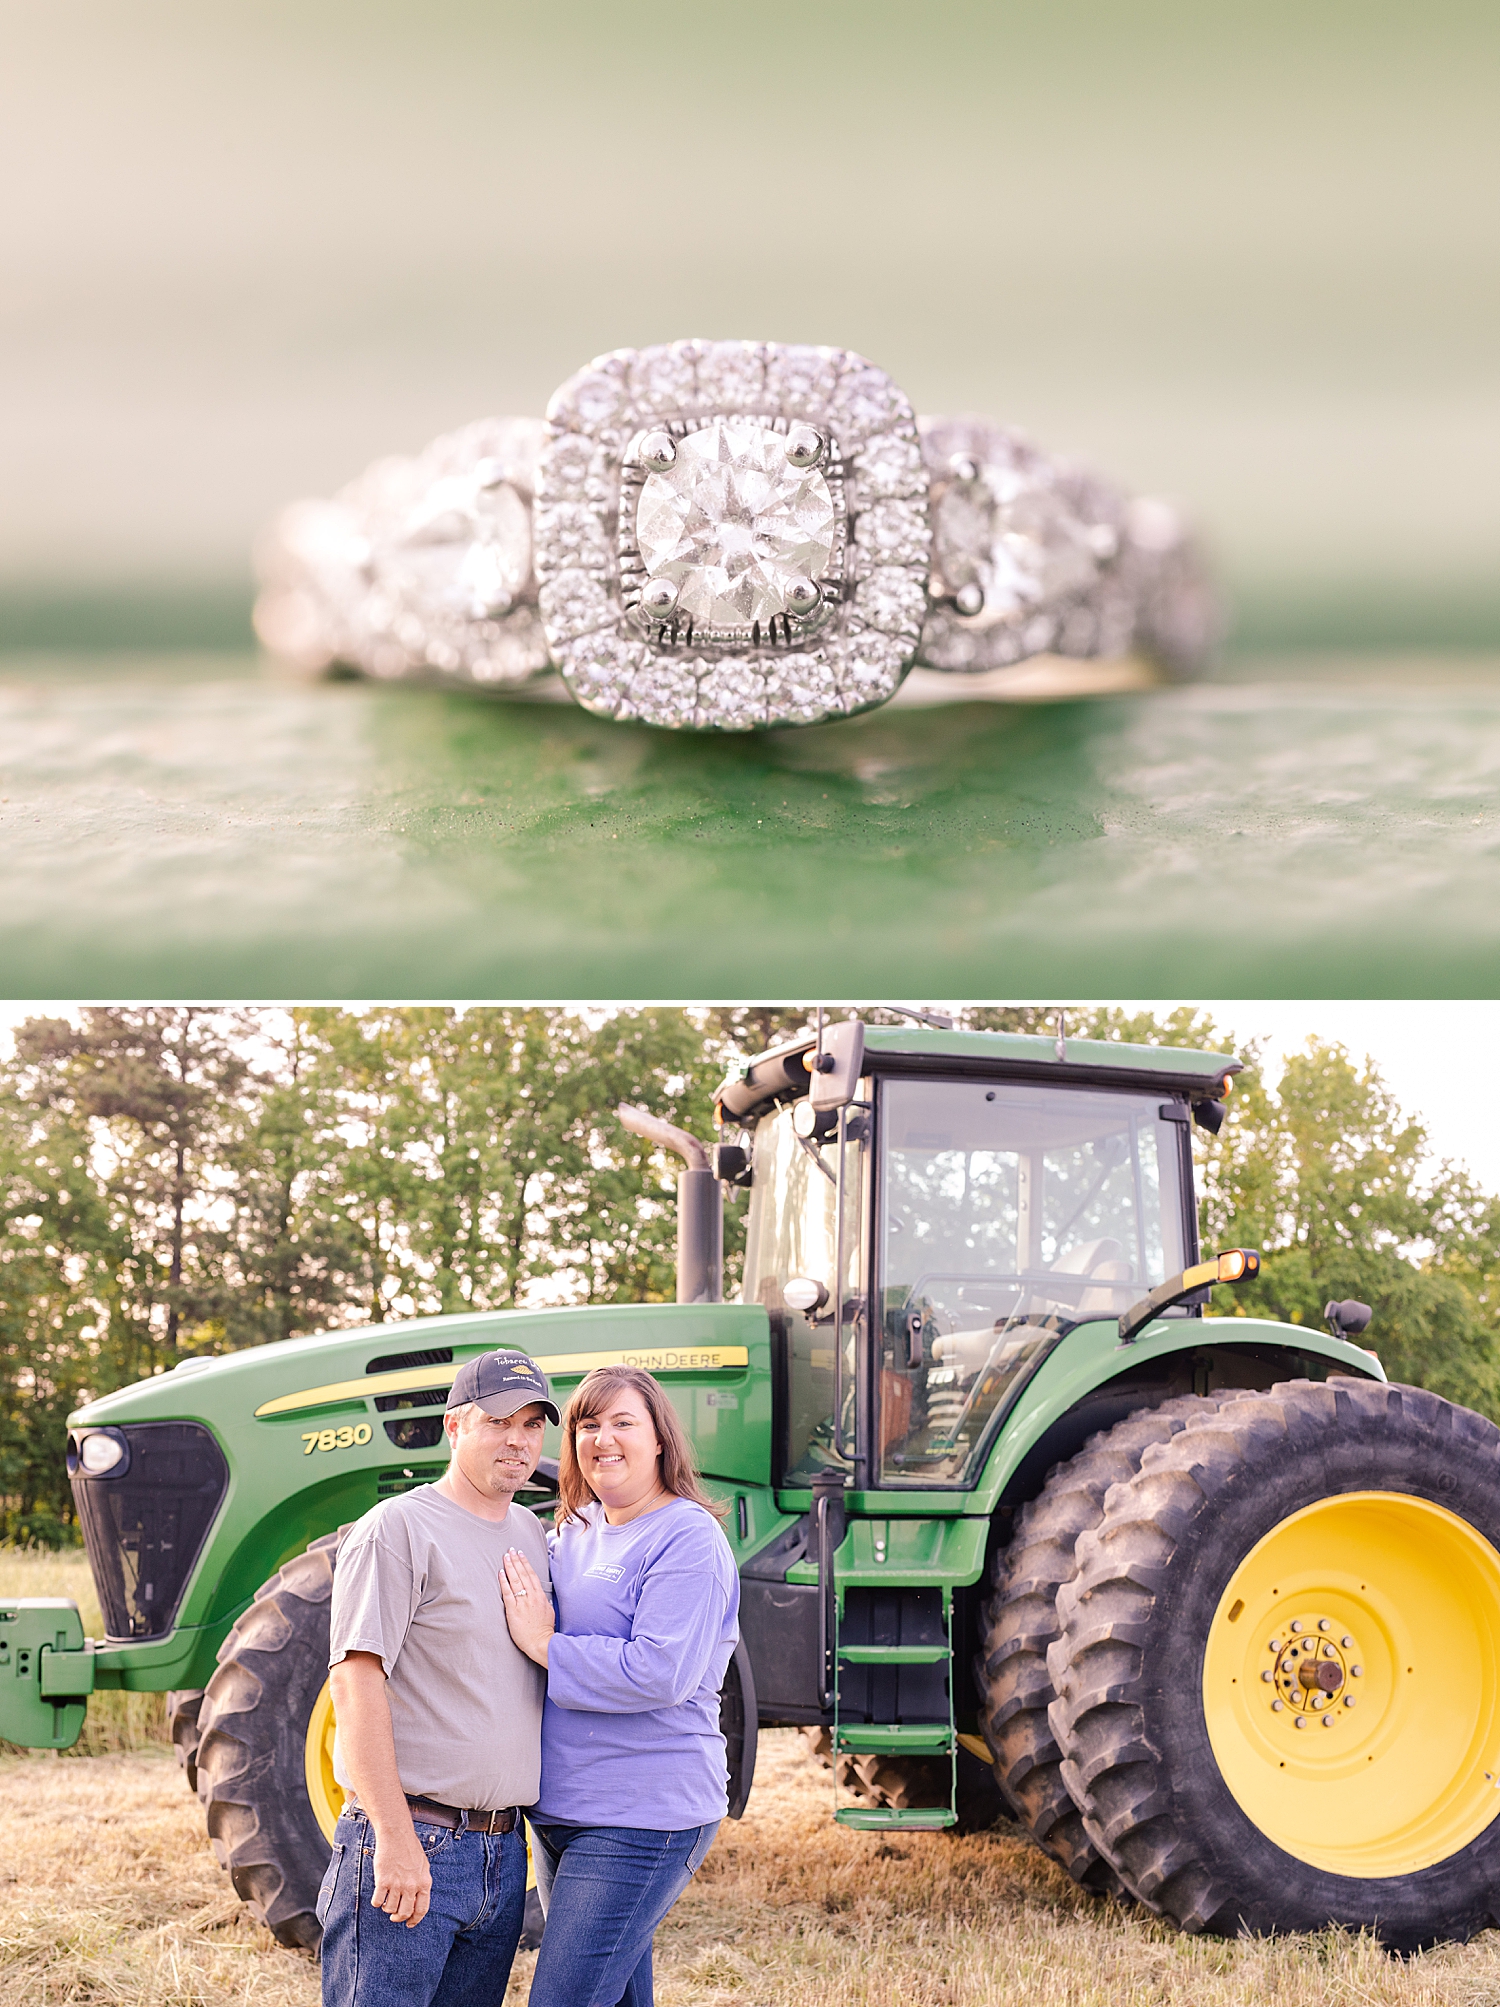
679,1473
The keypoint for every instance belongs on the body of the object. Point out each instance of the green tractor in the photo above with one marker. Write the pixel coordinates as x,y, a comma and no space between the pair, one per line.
1201,1601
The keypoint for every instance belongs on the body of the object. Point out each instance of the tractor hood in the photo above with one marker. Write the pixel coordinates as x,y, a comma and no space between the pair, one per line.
383,1369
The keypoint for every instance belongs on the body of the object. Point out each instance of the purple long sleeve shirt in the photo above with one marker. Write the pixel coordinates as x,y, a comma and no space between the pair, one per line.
647,1621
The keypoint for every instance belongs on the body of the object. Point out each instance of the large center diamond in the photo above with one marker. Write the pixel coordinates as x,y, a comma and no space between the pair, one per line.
732,523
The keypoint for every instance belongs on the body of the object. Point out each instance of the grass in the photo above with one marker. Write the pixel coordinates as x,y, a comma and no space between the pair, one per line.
109,1894
116,1721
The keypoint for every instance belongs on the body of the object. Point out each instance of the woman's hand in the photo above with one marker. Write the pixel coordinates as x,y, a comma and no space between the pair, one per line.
528,1607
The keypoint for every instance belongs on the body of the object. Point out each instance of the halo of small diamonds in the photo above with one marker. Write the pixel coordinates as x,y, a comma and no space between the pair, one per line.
793,658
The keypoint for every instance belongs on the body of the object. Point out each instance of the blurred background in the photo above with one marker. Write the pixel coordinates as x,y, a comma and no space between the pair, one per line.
1246,257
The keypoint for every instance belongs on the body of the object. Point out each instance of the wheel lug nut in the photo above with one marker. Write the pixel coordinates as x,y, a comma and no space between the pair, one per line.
1267,1676
1324,1625
1347,1643
1297,1626
1357,1672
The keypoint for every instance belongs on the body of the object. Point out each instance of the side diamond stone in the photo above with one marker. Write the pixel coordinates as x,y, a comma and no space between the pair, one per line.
574,603
663,693
894,532
731,696
867,401
800,381
890,464
732,376
894,601
665,380
573,469
602,670
870,667
802,689
592,400
568,535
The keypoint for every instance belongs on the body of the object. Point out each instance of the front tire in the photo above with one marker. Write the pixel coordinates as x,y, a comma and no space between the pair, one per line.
1322,1555
261,1752
185,1730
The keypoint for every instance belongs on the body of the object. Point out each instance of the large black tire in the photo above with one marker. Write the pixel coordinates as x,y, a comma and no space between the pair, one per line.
1129,1665
1020,1625
186,1730
251,1760
904,1782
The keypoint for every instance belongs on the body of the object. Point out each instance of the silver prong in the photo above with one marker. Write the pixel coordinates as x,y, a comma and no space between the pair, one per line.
963,467
658,451
970,598
659,598
802,596
804,446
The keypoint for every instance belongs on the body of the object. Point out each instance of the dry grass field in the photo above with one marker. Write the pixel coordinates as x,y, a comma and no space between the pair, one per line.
109,1894
110,1897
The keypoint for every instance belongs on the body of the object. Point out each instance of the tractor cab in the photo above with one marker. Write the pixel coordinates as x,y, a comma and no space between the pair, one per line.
932,1213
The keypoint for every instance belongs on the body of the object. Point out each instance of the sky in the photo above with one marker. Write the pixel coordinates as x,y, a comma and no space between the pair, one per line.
1435,1056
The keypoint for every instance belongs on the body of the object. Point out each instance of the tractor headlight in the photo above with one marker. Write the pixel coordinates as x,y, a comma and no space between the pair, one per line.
100,1451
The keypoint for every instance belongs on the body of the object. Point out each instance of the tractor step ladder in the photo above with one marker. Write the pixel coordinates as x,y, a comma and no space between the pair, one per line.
904,1738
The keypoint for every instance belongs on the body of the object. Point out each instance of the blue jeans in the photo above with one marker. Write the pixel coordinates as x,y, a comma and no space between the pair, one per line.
459,1955
605,1889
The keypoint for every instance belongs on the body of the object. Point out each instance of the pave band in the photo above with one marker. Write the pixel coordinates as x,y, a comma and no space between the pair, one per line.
727,536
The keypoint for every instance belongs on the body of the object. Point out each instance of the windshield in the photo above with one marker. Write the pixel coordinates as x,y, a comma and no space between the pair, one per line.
1008,1214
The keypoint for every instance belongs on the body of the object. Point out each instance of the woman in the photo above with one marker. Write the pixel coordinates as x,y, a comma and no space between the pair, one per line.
633,1770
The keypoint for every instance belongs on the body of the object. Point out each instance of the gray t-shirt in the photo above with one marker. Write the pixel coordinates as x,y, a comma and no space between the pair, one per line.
418,1583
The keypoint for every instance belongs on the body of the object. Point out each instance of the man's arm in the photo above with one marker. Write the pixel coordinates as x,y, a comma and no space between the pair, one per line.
367,1744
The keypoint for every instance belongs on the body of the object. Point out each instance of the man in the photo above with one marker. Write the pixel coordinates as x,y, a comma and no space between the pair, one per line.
439,1716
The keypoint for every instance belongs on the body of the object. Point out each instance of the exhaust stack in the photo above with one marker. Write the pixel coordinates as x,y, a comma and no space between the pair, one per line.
700,1207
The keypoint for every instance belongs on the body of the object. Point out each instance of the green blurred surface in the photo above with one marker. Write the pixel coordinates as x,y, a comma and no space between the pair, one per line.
179,825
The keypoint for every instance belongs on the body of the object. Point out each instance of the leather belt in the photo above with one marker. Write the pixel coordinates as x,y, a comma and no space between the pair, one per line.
431,1813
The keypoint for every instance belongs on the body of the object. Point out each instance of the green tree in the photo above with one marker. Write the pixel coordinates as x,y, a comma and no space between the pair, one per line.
58,1255
149,1097
1327,1177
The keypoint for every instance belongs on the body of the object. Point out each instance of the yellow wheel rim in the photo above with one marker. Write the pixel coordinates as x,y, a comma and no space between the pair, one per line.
325,1793
1351,1684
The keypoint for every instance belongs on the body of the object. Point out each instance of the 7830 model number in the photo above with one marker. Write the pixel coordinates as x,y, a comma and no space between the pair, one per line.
344,1438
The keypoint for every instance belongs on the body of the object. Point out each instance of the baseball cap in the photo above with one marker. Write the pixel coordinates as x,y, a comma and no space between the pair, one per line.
501,1382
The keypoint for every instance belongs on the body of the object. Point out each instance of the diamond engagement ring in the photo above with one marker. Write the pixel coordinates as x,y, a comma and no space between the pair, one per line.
731,535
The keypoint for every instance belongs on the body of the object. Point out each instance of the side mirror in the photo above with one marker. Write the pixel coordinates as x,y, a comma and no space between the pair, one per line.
1347,1319
804,1294
836,1068
1238,1264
